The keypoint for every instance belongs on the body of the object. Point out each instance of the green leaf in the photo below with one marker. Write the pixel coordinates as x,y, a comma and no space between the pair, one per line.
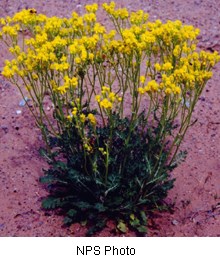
101,223
67,220
43,153
72,213
83,205
135,222
47,179
51,203
132,216
84,223
122,227
143,217
100,207
180,157
60,165
141,229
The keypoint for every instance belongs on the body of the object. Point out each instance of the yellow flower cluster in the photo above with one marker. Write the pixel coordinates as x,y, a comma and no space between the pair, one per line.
109,8
107,98
57,41
29,17
61,48
11,31
82,117
74,112
91,119
169,85
68,84
12,68
138,18
103,151
54,40
190,73
152,86
88,147
91,8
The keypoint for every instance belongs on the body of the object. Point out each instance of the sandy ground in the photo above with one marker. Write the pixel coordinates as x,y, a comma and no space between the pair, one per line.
196,195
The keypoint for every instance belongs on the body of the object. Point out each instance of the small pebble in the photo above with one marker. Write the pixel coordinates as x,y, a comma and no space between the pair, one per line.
175,222
78,6
5,128
187,103
202,98
18,112
24,101
197,2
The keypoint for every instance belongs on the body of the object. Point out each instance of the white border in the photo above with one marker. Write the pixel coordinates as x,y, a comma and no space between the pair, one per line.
147,250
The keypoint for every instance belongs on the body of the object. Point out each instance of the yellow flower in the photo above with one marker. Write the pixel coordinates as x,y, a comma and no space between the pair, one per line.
152,86
83,55
28,87
34,76
74,112
2,21
105,103
62,89
77,60
167,66
148,37
114,44
16,49
102,151
138,17
109,8
141,90
91,8
11,30
52,56
92,119
21,73
157,67
112,96
168,91
72,49
177,51
69,117
142,79
176,90
74,81
98,98
89,18
88,147
91,56
8,72
105,89
60,66
70,81
82,118
99,29
121,13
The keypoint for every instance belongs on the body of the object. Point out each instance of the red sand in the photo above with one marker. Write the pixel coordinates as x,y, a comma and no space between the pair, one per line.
197,189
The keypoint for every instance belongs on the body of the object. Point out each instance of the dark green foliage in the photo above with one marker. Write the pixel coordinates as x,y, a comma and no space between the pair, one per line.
136,182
